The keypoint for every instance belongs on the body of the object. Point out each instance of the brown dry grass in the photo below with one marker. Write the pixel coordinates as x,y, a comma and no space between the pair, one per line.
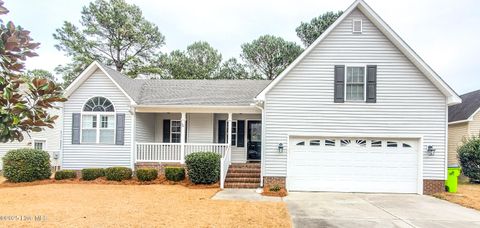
468,195
92,205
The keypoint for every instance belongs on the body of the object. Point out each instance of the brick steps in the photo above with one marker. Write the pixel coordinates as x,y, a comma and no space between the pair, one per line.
243,176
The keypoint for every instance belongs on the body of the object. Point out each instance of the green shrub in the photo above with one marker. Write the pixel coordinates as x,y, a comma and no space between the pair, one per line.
118,173
275,188
147,174
65,174
175,173
469,156
92,173
203,167
25,165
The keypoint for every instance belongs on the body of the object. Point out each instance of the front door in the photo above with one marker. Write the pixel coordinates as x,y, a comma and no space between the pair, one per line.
254,140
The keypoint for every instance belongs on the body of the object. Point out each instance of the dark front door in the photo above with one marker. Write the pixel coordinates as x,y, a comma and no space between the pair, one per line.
254,140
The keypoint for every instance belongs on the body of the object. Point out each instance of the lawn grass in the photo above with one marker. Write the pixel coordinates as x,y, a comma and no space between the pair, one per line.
91,205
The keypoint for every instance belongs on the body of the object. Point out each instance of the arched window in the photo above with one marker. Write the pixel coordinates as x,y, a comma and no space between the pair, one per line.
98,121
98,104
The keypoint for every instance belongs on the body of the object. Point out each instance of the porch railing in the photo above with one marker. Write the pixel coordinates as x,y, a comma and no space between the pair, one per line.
225,163
172,152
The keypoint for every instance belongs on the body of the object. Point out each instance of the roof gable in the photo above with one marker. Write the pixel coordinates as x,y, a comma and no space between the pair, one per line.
452,97
467,109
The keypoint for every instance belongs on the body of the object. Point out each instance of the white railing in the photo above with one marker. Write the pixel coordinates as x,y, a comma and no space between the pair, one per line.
206,147
172,152
158,152
225,163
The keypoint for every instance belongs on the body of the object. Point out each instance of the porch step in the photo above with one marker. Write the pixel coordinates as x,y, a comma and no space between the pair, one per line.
241,185
243,176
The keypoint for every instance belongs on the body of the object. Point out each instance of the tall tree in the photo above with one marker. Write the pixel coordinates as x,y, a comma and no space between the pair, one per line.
22,110
232,69
199,61
270,55
308,32
39,73
113,32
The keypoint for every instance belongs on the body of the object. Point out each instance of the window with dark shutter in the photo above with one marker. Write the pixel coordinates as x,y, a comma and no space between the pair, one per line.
371,84
221,131
339,79
240,133
166,131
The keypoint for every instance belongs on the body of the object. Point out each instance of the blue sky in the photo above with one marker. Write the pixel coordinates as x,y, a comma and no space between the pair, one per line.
444,33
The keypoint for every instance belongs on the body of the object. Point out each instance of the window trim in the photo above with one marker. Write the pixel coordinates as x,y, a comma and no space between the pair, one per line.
234,133
353,25
364,83
98,114
43,140
172,133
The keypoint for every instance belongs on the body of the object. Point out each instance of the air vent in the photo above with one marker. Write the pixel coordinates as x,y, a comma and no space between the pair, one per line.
357,25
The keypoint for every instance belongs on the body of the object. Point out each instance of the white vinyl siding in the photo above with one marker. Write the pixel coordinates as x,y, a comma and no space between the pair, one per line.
79,156
200,128
407,102
145,127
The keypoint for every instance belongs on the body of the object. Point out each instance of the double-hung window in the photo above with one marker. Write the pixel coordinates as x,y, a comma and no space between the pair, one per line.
234,133
175,131
355,83
98,121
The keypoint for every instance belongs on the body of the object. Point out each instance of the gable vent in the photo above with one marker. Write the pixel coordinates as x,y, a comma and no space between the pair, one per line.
357,25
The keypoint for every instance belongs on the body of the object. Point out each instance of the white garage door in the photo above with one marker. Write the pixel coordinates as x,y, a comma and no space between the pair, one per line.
353,165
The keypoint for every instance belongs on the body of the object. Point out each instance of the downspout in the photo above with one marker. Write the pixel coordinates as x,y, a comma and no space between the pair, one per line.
133,143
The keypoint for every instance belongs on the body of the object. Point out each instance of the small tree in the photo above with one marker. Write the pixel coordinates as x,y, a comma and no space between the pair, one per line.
469,156
23,102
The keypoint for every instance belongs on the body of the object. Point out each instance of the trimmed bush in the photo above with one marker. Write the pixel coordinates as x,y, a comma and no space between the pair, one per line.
65,174
147,174
203,167
469,156
118,173
92,173
26,165
175,173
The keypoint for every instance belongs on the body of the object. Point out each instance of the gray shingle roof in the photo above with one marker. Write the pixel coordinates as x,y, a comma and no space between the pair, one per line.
470,104
189,92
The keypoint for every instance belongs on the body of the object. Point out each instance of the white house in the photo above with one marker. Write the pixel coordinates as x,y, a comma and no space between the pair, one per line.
357,111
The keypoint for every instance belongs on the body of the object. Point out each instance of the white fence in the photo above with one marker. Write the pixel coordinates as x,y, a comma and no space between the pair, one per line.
224,165
172,152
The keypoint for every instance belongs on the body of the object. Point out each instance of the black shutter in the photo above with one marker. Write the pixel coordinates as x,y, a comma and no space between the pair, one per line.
120,129
166,131
240,133
221,131
339,89
75,128
186,127
371,84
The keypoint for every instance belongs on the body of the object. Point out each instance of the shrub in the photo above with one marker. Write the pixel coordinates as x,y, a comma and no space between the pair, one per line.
92,173
275,188
147,174
65,174
118,173
203,167
25,165
469,156
175,173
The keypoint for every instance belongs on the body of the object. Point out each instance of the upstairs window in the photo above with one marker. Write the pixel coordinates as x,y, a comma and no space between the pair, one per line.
355,83
98,121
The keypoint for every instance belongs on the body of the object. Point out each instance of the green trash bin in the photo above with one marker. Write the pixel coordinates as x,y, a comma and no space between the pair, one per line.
452,179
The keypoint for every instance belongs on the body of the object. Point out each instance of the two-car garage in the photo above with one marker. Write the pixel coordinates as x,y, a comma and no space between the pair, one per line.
346,164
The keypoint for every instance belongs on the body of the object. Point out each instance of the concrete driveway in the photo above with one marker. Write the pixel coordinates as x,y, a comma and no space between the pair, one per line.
376,210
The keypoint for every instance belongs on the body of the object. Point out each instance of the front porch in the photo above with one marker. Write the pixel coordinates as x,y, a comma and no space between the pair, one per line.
168,137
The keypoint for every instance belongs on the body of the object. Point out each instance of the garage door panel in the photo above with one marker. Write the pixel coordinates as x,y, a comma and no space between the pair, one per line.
353,165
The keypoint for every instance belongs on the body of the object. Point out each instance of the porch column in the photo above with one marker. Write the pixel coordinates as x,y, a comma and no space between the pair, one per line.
229,137
182,137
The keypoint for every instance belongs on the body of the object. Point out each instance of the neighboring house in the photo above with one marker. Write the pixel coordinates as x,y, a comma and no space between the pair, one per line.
357,111
463,122
49,140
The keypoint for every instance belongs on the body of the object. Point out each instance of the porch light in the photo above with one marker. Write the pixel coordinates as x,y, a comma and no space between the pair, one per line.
280,148
430,150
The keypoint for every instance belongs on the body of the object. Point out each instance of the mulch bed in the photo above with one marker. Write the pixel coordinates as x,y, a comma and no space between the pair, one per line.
102,180
281,193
